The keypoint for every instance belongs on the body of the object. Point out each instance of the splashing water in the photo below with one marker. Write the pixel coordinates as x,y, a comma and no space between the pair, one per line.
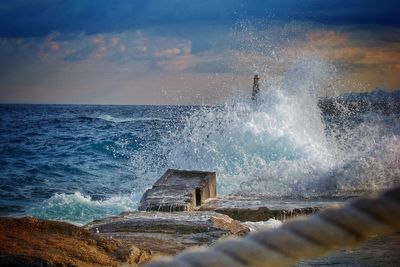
80,209
279,146
263,225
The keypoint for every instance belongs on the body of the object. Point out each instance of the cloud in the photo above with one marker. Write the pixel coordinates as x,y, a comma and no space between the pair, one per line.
189,63
361,64
341,47
215,66
119,48
170,52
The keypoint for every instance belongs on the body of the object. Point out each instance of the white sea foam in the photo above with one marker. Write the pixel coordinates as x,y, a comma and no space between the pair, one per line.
121,120
79,209
263,225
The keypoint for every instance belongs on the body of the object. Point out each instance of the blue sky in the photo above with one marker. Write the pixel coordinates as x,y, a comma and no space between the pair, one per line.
184,52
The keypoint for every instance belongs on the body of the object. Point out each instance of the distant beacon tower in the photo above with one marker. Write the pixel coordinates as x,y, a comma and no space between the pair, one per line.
256,87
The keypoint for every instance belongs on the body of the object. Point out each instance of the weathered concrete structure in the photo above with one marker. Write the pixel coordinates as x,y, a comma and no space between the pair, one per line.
180,190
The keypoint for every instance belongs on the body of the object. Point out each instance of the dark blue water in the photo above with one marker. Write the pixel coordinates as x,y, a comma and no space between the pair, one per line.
78,163
52,149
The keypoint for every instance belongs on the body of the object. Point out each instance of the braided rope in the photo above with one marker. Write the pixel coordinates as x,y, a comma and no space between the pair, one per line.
300,239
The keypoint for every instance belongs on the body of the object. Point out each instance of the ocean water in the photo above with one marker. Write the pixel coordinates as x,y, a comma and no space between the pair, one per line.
81,162
75,162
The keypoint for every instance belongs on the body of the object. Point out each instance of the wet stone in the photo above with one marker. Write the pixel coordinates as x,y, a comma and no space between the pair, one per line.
168,233
257,209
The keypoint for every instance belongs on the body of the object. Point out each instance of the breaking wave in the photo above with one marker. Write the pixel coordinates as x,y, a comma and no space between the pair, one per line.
79,209
282,145
279,146
112,119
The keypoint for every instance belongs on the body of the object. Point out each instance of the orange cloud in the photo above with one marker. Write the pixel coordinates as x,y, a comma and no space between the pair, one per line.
376,65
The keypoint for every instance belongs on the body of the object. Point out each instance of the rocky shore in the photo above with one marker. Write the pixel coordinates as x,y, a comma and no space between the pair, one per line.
191,215
130,238
32,242
134,238
180,211
168,233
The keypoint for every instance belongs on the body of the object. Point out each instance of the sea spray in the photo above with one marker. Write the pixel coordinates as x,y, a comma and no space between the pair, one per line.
282,146
247,141
80,162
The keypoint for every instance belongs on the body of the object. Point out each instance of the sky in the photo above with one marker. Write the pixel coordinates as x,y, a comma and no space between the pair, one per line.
189,51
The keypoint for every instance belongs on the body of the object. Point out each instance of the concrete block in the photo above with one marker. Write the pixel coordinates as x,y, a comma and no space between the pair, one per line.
180,190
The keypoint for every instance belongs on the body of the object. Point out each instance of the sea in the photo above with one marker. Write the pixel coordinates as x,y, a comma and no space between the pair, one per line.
78,163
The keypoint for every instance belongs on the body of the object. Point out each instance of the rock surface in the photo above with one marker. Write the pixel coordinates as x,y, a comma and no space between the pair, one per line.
255,210
264,213
168,233
32,242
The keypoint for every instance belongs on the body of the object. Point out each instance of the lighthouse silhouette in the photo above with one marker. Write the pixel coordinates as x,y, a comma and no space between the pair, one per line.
256,87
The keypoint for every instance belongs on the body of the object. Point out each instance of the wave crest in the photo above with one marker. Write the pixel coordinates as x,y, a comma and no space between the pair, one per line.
79,209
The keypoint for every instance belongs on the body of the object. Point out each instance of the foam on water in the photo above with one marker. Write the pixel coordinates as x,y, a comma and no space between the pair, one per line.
79,209
120,120
263,225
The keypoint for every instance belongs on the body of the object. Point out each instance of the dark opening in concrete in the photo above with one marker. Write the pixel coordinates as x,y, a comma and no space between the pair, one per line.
198,197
